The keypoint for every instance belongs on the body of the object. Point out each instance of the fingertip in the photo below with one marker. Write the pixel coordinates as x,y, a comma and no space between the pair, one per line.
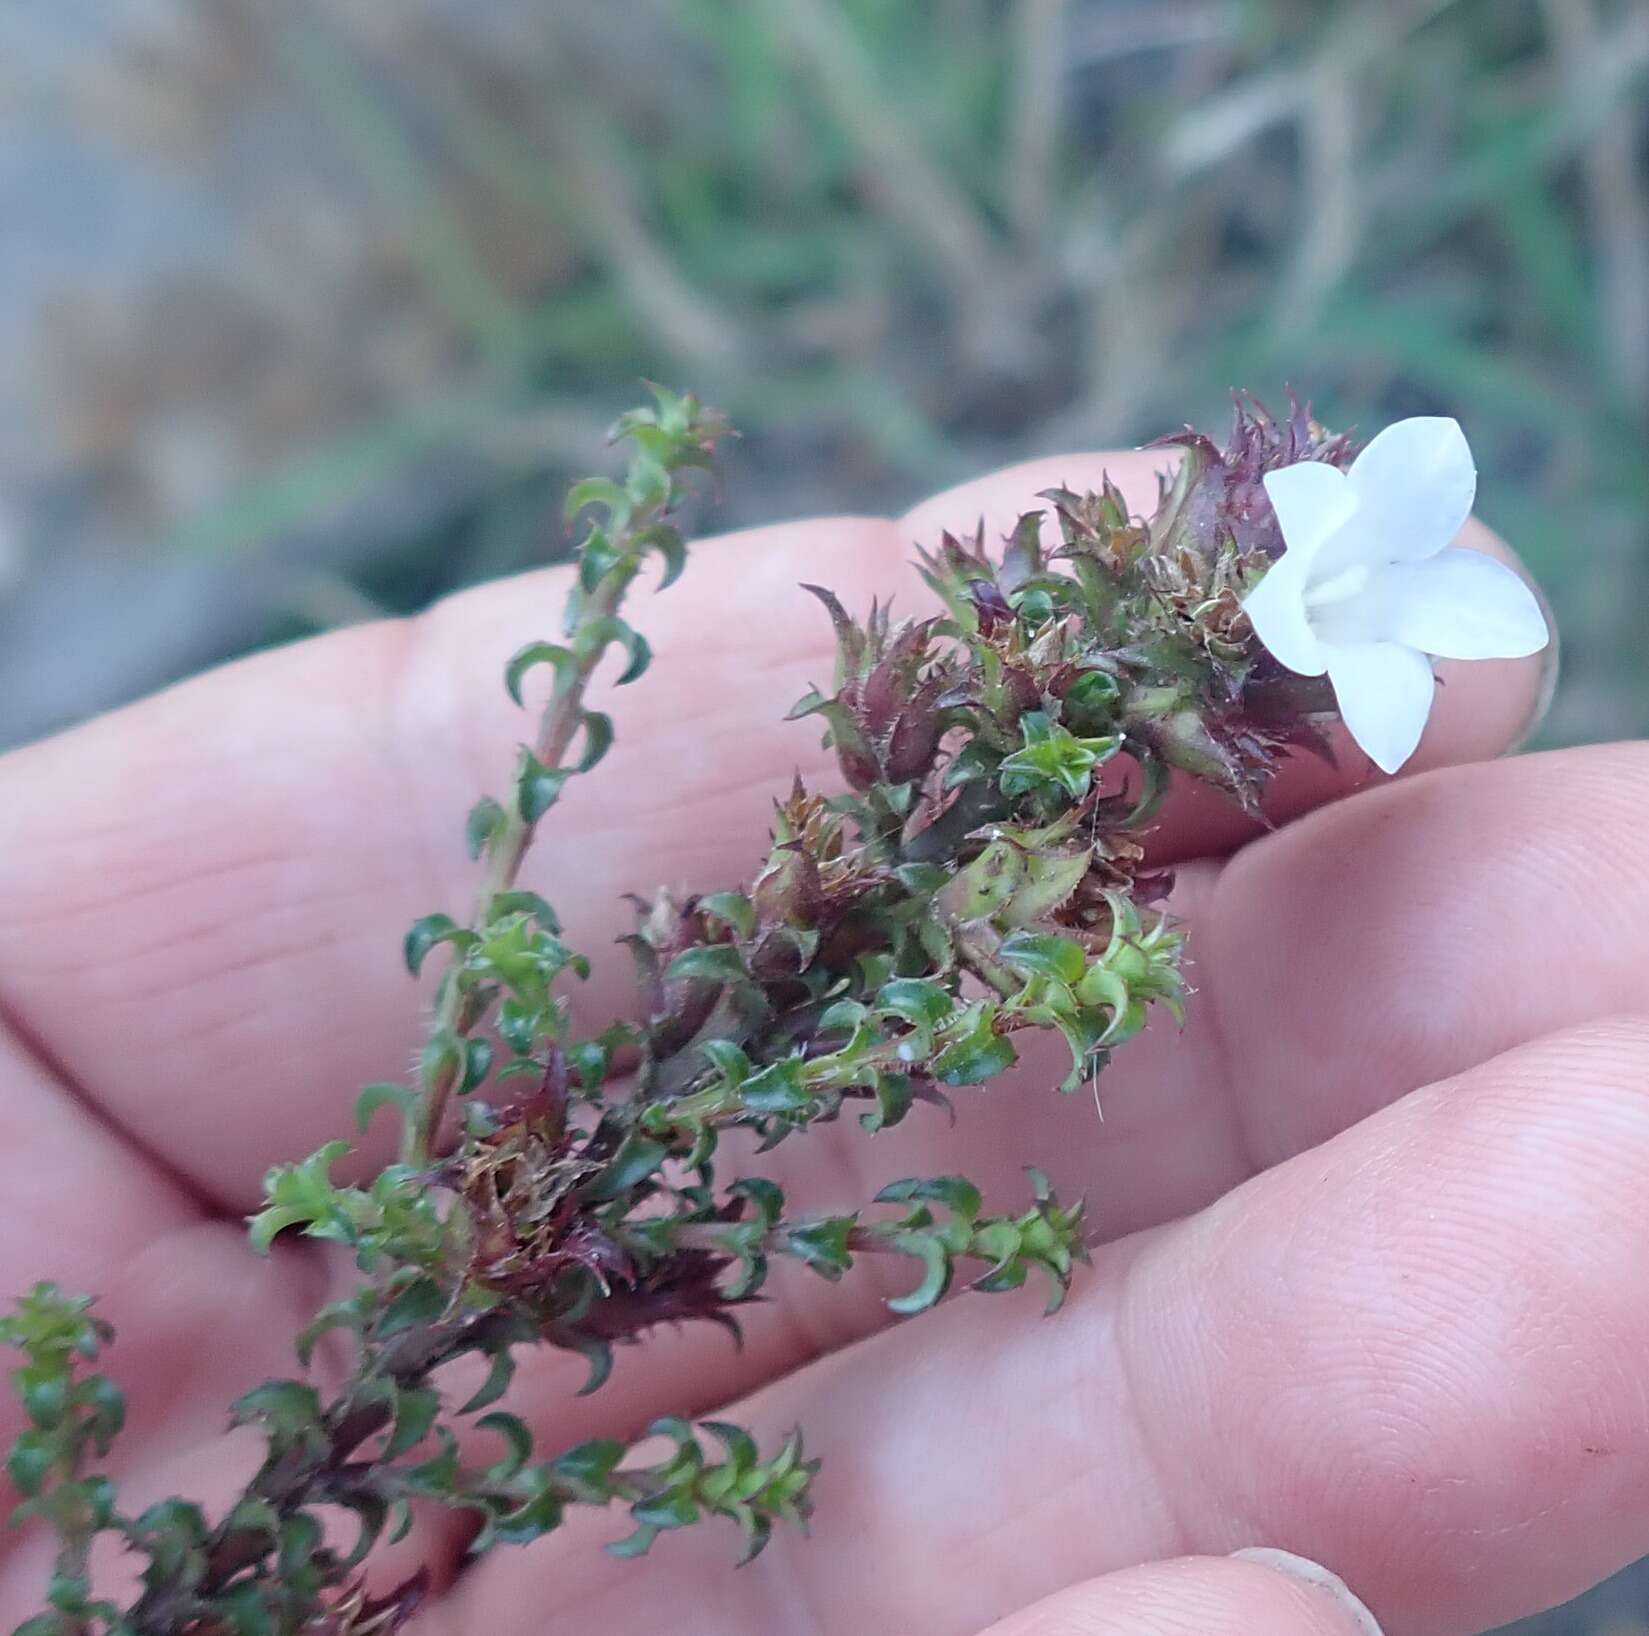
1259,1590
1486,707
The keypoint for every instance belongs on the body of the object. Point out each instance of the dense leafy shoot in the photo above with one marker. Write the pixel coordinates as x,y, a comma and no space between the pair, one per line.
983,874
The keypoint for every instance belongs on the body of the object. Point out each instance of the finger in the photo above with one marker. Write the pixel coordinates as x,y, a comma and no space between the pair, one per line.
58,1157
200,897
1201,1596
1415,1352
1424,927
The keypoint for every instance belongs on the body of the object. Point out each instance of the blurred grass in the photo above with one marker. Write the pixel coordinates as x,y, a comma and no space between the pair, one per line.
906,243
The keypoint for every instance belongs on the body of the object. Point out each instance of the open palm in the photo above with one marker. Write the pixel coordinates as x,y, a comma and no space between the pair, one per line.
1374,1285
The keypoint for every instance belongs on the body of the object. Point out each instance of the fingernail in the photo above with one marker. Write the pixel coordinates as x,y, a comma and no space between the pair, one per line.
1313,1573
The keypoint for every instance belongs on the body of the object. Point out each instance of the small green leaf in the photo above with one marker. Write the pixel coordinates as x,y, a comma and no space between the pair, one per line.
44,1400
987,885
589,1467
675,1508
740,1445
518,1026
973,763
598,738
515,1433
541,1515
633,1545
517,902
935,1274
667,541
423,936
267,1225
594,638
757,1531
923,1004
440,1063
436,1476
483,826
766,1197
477,1064
537,787
529,658
105,1404
729,1060
253,1516
415,1410
345,1314
956,1193
637,1158
420,1302
1048,881
843,1016
715,962
245,1607
734,909
678,1430
895,1096
495,1385
382,1095
921,880
1042,955
181,1520
373,1512
778,1088
599,491
822,1244
597,557
290,1411
42,1624
809,704
599,1356
1053,756
590,1060
648,483
31,1461
1091,692
976,1055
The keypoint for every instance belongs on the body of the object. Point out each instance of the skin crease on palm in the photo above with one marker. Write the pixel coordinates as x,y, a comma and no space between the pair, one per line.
1372,1283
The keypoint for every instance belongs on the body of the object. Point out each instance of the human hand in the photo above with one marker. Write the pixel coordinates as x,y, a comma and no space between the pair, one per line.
1370,1285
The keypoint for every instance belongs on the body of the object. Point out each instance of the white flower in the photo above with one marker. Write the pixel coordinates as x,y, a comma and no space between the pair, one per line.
1371,583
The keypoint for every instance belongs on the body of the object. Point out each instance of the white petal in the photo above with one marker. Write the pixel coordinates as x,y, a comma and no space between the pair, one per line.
1414,486
1276,610
1459,605
1311,501
1384,692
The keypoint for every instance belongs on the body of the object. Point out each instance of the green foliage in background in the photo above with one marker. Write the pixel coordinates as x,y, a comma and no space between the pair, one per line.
904,243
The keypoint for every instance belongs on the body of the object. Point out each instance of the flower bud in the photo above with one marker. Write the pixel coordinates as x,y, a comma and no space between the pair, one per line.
1217,498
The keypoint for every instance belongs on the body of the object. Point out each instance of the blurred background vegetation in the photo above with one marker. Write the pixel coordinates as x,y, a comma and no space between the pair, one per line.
308,308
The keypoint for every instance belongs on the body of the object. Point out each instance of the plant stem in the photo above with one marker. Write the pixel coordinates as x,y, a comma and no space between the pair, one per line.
556,730
74,1567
